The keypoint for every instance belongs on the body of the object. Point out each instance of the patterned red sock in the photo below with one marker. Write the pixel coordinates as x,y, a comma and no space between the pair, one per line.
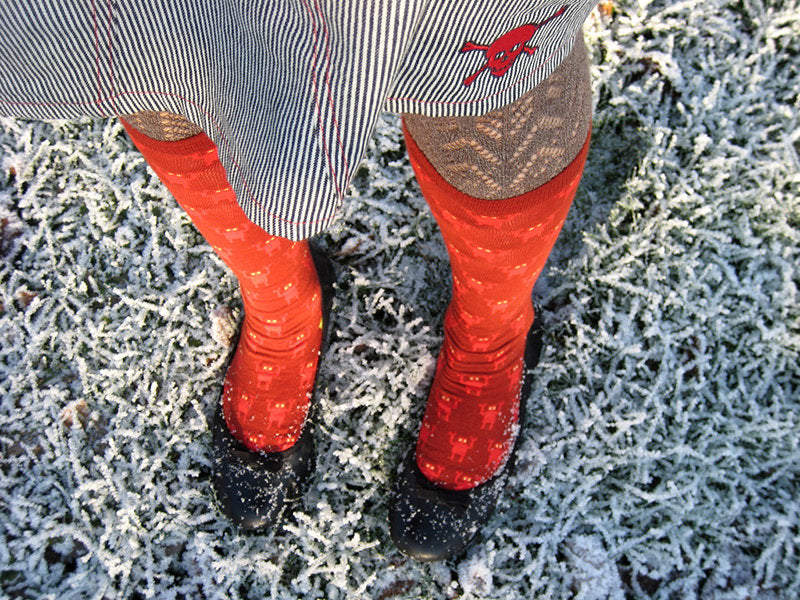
270,379
497,249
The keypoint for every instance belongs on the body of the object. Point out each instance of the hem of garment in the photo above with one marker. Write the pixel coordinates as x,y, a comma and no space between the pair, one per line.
480,106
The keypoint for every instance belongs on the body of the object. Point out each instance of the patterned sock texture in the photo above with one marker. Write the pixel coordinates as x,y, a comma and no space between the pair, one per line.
270,379
497,249
161,125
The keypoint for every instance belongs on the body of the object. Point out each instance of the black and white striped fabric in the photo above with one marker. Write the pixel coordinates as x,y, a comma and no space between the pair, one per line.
289,90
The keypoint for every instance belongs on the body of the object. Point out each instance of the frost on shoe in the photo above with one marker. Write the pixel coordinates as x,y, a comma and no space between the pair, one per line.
253,489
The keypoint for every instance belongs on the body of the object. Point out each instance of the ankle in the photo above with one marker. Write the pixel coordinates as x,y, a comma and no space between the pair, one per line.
487,332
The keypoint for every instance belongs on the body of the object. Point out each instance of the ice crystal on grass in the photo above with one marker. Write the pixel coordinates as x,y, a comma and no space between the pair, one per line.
595,575
662,440
223,326
475,574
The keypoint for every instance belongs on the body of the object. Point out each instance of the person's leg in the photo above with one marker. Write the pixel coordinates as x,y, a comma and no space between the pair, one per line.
269,381
500,187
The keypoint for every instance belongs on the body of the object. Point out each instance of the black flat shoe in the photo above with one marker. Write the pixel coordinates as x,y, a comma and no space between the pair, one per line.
430,523
254,488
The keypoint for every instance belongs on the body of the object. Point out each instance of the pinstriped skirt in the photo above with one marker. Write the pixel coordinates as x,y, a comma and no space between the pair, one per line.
289,90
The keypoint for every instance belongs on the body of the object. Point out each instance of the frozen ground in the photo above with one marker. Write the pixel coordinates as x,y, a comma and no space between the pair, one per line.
661,459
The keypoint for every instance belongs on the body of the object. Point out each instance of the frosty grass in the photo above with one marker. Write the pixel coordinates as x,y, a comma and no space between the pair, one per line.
661,457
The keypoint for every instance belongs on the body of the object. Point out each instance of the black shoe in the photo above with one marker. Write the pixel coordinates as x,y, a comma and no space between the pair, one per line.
430,523
253,488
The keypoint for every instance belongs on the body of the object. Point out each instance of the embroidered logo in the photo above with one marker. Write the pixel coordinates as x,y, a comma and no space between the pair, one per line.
505,50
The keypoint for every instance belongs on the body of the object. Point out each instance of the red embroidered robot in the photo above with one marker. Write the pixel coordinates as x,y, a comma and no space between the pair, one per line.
501,53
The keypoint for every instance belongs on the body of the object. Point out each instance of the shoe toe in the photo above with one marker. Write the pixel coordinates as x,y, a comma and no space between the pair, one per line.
428,523
253,489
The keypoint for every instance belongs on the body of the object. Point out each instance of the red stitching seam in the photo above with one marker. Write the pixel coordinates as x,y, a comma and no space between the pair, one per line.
210,118
518,81
328,85
317,103
111,61
97,56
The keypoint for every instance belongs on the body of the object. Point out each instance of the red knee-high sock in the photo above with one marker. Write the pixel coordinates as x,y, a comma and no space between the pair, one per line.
497,249
270,379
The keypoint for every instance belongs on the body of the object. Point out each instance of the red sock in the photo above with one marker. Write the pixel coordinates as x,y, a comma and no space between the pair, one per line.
497,249
270,379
